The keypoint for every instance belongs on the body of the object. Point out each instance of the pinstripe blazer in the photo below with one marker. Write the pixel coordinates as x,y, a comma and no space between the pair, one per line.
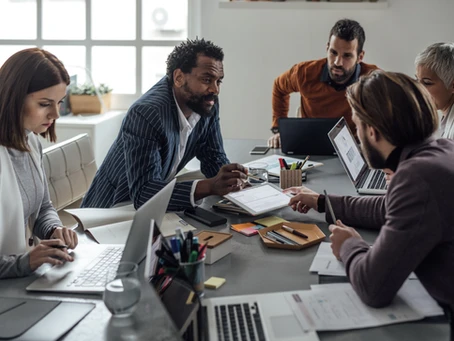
141,157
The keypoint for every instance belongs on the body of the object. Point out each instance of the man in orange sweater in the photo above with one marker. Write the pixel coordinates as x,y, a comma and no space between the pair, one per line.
322,83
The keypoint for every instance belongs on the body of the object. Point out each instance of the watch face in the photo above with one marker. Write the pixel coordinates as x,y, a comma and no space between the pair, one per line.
275,130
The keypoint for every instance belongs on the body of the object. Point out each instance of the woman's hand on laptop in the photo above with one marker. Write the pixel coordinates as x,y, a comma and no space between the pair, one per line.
66,235
304,199
50,251
274,141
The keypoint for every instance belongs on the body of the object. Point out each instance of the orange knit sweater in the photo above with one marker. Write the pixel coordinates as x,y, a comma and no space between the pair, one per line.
318,99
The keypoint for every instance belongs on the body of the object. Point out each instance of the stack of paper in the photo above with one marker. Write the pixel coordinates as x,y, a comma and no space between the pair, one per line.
325,263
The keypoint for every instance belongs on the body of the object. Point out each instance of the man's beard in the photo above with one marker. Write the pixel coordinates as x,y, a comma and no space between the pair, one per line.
341,78
197,103
373,157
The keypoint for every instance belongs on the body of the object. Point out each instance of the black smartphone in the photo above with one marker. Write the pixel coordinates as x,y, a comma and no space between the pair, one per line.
205,217
259,150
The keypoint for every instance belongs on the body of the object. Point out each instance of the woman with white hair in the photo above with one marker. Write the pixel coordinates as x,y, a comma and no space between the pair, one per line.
435,70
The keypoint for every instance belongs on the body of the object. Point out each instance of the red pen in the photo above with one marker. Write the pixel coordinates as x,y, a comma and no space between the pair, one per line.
202,251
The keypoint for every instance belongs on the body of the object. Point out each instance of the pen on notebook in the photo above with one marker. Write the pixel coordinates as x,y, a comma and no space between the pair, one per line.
304,162
330,208
293,231
60,246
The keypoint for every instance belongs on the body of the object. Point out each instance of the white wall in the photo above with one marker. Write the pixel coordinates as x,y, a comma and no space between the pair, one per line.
261,44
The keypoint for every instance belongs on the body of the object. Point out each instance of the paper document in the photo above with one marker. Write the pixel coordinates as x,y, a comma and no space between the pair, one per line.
331,308
325,263
260,199
412,292
273,166
112,225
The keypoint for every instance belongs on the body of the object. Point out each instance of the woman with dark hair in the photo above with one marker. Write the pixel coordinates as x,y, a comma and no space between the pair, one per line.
32,86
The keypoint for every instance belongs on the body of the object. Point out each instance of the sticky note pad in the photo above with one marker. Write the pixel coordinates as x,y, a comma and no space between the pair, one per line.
269,221
214,282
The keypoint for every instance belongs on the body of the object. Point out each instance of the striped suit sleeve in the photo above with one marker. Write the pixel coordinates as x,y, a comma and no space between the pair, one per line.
143,147
211,151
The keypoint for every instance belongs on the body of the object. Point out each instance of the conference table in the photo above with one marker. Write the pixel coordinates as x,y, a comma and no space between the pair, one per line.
250,268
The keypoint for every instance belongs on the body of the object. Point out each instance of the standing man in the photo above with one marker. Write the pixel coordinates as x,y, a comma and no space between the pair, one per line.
322,83
395,119
174,121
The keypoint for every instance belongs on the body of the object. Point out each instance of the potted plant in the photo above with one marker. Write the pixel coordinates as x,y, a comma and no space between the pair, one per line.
86,98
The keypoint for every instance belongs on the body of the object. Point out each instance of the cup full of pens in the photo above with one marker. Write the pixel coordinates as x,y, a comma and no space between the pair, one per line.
191,256
291,175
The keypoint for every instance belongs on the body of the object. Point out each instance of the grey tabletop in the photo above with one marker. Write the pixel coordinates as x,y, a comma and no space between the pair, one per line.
250,268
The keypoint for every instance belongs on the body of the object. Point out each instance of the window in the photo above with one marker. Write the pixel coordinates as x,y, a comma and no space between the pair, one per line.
124,43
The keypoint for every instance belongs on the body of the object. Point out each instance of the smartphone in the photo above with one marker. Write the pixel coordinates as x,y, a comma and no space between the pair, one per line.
205,217
259,150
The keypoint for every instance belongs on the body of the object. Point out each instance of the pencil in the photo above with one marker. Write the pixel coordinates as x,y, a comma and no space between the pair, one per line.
330,208
304,162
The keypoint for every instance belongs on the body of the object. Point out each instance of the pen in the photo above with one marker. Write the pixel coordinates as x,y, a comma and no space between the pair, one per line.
288,240
255,177
330,208
60,246
304,162
193,257
273,239
295,232
202,251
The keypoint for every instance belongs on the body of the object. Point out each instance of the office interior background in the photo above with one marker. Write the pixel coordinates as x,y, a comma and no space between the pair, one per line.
125,42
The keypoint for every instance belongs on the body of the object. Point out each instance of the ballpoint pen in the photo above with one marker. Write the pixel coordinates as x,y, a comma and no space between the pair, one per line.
293,231
273,239
304,162
330,208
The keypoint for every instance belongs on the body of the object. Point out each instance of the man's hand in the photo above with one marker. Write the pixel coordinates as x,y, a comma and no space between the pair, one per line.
304,199
339,234
230,178
274,141
47,252
67,236
388,175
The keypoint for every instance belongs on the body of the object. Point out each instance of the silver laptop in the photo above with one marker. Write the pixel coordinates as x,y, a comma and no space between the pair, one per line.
365,180
249,317
87,273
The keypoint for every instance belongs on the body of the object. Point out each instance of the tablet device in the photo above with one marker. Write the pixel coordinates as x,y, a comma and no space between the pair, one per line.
259,199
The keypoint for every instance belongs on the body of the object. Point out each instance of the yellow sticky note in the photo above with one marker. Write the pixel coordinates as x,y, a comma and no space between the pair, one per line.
214,282
269,221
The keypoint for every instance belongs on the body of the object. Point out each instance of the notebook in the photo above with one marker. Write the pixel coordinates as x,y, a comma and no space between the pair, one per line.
365,180
306,136
249,317
87,273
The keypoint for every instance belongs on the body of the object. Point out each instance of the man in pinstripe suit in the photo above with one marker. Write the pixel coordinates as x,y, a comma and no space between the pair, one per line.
177,119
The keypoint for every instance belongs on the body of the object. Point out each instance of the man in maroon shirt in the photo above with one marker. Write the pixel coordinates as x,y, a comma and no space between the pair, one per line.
395,118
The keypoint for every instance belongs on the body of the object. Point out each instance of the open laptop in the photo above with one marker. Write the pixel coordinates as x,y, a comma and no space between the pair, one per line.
306,136
249,317
87,273
365,180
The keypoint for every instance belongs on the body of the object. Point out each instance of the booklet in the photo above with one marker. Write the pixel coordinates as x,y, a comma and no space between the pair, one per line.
112,225
259,199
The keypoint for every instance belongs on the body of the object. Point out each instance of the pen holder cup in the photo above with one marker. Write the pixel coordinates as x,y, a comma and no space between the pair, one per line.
195,272
290,178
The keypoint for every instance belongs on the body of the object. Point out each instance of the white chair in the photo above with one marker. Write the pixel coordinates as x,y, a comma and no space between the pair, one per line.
70,168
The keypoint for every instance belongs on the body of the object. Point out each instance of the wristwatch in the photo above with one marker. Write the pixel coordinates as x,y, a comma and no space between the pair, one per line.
275,130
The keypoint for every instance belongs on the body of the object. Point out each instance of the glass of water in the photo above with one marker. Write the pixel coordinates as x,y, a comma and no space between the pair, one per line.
122,292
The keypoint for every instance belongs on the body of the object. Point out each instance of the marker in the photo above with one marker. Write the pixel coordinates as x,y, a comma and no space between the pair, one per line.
193,257
295,232
330,208
180,234
174,242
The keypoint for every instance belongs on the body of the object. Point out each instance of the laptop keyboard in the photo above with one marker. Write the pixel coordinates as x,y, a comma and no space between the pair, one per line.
239,322
94,275
378,181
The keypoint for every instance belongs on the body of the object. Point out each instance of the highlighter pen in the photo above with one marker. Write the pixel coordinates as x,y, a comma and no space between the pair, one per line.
330,208
295,232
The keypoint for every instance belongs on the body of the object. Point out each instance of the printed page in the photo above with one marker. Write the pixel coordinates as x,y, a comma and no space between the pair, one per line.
170,222
116,233
260,199
92,217
325,263
326,309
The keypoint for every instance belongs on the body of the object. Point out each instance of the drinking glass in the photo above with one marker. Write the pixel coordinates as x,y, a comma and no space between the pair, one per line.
122,292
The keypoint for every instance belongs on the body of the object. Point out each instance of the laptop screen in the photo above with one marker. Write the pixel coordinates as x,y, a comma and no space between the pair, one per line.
347,149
